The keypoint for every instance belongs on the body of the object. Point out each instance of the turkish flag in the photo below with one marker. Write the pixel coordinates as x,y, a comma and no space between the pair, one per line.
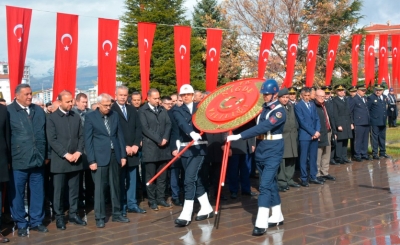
145,42
293,40
182,55
383,59
395,59
354,57
331,57
18,25
369,60
214,39
66,54
311,59
107,55
265,49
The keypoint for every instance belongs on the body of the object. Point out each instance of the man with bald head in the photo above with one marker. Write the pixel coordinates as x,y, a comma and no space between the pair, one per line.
65,137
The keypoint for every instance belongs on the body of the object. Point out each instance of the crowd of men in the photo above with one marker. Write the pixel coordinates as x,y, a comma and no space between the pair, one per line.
69,155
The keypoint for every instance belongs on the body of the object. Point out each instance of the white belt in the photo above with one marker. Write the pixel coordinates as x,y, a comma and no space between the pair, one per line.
195,143
269,137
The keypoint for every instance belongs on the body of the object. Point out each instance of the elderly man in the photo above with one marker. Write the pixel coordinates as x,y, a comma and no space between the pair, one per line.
66,161
5,158
29,153
392,109
198,96
156,129
106,154
132,129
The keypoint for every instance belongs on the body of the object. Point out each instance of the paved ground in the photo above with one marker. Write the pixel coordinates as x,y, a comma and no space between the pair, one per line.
360,207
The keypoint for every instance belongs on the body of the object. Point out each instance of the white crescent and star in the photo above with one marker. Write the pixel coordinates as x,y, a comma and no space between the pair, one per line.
329,55
370,46
263,52
16,27
308,55
356,48
215,53
395,54
146,44
384,51
109,43
66,35
295,49
180,51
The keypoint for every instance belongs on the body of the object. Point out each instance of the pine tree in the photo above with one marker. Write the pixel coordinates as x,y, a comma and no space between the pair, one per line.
203,11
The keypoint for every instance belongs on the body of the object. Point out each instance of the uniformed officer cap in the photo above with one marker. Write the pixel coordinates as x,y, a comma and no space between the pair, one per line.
339,87
292,90
283,92
361,87
1,95
353,89
379,87
327,89
391,90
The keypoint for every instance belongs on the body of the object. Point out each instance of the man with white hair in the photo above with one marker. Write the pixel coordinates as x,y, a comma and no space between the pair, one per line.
192,159
106,155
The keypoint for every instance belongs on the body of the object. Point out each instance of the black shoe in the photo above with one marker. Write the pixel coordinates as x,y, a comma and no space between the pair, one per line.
244,193
341,162
3,239
282,189
357,159
294,184
153,206
182,222
304,183
100,223
136,210
233,195
222,197
39,228
120,219
316,181
203,217
328,177
274,224
176,202
22,232
368,158
346,161
287,187
333,162
259,231
375,157
124,215
164,204
60,224
321,179
77,220
384,155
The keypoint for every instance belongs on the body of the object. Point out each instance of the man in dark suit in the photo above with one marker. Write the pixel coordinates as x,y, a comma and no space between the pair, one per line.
5,158
359,110
392,109
192,159
106,154
290,138
81,102
65,137
29,155
309,128
132,129
343,121
377,104
156,129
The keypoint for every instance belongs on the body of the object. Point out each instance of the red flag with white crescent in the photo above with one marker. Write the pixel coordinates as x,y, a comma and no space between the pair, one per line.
395,59
331,57
355,50
383,59
293,40
18,26
311,58
66,54
182,55
107,55
214,39
145,42
265,50
369,59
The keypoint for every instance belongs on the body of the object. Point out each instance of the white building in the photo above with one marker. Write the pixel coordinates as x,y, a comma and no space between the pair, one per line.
5,80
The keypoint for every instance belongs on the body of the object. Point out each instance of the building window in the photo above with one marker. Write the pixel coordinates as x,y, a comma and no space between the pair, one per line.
5,69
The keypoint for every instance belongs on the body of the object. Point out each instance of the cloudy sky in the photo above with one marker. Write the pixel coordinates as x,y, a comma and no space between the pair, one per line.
41,46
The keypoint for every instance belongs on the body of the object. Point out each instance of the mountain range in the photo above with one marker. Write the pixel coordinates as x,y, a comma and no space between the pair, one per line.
85,78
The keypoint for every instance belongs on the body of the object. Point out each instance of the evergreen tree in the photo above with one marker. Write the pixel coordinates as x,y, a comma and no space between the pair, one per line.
205,9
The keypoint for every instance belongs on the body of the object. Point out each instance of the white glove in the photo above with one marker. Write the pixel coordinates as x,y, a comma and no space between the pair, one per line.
195,136
233,137
392,109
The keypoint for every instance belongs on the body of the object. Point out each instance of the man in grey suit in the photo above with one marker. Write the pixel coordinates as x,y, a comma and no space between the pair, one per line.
105,149
65,137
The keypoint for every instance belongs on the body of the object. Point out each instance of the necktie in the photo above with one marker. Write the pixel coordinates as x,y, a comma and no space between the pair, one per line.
67,113
108,129
309,106
155,109
26,110
124,112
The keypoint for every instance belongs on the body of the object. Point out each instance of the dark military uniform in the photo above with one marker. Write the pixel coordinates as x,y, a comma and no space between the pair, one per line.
359,110
378,111
342,118
392,110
